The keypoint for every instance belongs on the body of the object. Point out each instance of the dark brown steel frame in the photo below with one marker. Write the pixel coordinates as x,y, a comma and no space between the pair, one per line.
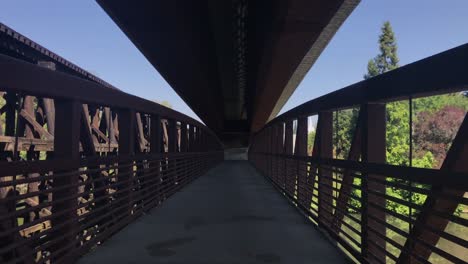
438,74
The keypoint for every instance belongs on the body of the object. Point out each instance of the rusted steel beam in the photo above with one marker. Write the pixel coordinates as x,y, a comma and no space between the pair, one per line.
280,150
109,125
448,184
24,144
164,125
2,109
172,134
196,143
49,108
348,175
89,149
9,191
28,114
8,224
92,117
325,176
141,135
200,136
183,137
155,134
455,161
21,45
34,126
95,116
142,167
66,145
10,113
288,150
172,148
73,154
126,147
115,122
313,171
270,150
373,150
46,83
191,138
31,129
100,134
156,148
300,149
274,151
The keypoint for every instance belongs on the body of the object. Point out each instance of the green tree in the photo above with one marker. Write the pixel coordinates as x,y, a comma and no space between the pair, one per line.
434,126
344,123
397,112
310,142
387,59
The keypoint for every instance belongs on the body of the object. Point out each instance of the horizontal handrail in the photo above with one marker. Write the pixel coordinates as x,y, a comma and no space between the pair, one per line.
43,82
438,74
451,179
421,205
78,160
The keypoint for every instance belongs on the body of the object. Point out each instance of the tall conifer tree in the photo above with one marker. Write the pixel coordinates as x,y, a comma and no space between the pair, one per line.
387,59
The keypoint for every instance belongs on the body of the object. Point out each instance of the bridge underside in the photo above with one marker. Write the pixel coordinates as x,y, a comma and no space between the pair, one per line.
230,215
80,160
236,62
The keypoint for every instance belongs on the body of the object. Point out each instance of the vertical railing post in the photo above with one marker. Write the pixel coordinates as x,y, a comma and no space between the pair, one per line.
183,149
172,149
373,150
300,150
288,150
155,150
127,138
196,160
183,137
280,151
201,140
191,136
325,180
65,188
191,142
455,160
274,156
196,134
172,144
270,153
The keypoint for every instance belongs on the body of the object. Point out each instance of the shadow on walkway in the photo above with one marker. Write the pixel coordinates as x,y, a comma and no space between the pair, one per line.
230,215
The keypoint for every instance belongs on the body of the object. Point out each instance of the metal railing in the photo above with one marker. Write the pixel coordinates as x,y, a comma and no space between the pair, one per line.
79,161
347,198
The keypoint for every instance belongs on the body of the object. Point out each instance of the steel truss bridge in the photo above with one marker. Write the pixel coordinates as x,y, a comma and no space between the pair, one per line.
88,170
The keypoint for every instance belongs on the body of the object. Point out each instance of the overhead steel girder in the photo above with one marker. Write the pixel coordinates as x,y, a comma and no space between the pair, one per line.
233,61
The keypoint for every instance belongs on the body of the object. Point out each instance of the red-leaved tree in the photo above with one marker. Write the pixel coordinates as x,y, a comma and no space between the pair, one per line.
434,132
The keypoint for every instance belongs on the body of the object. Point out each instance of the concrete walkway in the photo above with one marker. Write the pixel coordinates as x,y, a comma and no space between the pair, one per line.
230,215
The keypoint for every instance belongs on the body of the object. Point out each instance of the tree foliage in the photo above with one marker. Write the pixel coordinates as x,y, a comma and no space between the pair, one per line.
387,59
434,132
436,120
344,122
310,142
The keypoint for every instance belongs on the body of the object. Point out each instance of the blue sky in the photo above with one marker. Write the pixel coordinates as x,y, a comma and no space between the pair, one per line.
81,32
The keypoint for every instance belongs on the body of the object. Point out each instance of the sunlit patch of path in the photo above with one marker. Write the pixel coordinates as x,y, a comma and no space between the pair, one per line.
230,215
